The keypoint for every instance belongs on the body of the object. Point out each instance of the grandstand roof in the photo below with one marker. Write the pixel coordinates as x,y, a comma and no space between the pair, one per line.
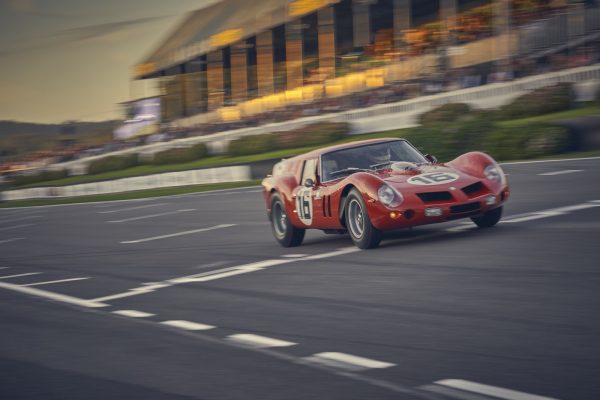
221,24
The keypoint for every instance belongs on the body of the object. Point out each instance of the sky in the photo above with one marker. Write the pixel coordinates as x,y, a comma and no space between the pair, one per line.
66,60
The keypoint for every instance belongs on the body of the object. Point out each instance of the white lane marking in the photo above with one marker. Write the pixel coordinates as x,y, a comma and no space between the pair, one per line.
57,281
347,361
551,212
562,172
465,226
258,341
132,208
19,275
11,240
545,161
487,390
219,274
52,296
3,267
188,325
294,255
179,234
16,227
133,313
16,219
152,215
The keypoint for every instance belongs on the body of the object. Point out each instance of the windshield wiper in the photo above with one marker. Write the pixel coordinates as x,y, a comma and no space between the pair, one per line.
349,170
382,164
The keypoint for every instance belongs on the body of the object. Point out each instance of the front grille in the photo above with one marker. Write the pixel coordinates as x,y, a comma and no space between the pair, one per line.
475,189
463,208
430,197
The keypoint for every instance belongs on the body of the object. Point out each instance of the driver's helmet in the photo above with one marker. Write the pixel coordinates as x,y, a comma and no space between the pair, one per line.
379,154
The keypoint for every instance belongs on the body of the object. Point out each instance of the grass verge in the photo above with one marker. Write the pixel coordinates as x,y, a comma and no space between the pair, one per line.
140,194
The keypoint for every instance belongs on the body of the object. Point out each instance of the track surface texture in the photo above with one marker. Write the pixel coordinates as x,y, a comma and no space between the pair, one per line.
190,297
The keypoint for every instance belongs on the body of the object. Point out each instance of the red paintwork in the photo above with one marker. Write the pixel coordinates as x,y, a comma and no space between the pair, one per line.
469,167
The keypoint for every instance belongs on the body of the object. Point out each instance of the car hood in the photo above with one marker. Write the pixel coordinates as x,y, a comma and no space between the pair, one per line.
401,173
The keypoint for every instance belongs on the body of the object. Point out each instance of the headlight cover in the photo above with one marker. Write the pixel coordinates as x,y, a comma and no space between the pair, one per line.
389,197
494,173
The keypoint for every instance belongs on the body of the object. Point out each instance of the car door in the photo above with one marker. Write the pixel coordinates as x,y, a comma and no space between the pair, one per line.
307,208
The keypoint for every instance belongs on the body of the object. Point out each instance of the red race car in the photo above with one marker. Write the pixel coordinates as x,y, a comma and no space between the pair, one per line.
368,187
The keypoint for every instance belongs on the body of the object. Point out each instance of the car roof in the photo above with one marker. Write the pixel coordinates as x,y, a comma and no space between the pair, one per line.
318,152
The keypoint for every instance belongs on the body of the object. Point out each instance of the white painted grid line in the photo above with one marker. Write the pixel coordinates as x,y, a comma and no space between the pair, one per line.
258,341
221,273
294,255
188,325
19,275
133,313
179,234
487,390
152,216
552,212
15,219
16,227
347,361
132,208
11,240
56,281
52,296
562,172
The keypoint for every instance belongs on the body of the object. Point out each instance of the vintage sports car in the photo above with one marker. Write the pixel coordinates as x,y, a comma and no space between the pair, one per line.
366,188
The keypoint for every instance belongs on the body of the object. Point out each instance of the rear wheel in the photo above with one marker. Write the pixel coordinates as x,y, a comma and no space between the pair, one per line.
363,233
286,234
488,219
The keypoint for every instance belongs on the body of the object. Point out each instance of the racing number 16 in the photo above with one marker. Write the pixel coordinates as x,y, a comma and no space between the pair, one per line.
435,177
304,206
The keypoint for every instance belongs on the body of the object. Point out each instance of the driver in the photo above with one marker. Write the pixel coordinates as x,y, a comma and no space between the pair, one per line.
378,155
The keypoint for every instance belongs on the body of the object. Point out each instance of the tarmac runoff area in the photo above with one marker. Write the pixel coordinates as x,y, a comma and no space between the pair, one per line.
190,297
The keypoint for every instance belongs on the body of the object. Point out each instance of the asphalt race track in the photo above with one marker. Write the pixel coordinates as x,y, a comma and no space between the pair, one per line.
190,297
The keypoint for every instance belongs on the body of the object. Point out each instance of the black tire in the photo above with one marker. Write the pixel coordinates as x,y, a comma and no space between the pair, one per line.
286,234
362,232
488,219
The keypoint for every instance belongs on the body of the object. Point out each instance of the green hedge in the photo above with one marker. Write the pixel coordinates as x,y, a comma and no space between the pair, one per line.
449,141
21,180
541,101
112,163
180,154
445,113
312,135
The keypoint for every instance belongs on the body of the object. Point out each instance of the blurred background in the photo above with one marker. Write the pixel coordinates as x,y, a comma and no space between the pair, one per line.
204,84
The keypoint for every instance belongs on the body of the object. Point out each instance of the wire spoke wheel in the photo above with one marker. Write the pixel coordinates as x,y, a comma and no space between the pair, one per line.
356,219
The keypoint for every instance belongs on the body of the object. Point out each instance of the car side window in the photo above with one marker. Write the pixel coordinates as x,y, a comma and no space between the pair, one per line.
309,171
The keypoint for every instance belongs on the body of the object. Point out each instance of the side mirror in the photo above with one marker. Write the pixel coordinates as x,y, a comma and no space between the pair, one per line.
431,158
309,183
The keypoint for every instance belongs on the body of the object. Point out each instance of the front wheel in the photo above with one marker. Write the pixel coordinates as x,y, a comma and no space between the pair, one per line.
488,219
363,233
286,234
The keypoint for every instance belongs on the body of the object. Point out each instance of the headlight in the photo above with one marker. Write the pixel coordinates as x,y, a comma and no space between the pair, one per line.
494,173
389,197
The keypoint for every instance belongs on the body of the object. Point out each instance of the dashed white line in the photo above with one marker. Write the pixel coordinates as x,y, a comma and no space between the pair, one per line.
487,390
294,255
16,227
562,172
152,215
132,208
347,361
52,296
133,313
56,281
258,341
188,325
11,240
179,234
19,275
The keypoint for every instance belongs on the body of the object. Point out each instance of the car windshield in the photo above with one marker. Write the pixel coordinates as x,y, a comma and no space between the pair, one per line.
375,156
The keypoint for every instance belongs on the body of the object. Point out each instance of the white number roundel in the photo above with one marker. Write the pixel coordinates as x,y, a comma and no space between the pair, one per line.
433,178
